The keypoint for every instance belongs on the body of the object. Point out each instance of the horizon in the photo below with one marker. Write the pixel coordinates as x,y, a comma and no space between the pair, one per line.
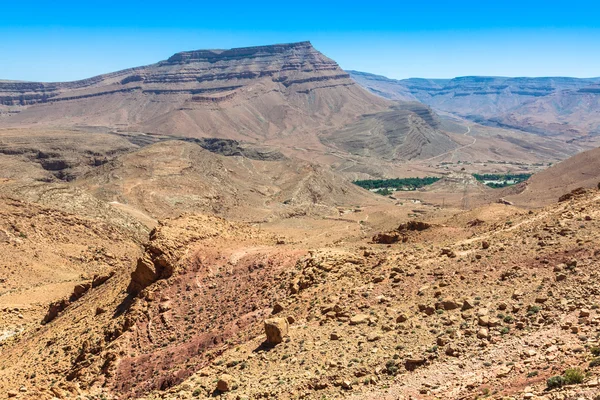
400,41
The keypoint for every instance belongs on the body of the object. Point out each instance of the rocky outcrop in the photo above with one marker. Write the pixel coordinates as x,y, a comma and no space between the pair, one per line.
56,307
155,264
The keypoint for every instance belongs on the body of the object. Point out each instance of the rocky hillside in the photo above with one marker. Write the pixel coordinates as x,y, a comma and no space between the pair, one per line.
406,132
574,112
548,106
172,177
546,187
451,308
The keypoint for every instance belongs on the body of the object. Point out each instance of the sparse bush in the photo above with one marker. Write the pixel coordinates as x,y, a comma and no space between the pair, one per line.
595,350
555,382
595,363
392,368
573,376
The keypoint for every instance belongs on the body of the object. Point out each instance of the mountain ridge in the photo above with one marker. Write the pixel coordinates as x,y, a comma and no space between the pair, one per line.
549,106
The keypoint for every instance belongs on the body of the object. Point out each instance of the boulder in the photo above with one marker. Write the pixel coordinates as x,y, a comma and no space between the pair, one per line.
359,319
225,383
276,329
386,238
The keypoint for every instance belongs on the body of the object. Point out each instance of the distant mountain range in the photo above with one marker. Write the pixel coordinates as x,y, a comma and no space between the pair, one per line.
546,106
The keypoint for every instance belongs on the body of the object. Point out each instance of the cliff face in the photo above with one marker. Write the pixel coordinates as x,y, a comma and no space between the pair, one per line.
190,72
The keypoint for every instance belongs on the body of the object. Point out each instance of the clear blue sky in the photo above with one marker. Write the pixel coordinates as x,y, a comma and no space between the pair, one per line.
66,40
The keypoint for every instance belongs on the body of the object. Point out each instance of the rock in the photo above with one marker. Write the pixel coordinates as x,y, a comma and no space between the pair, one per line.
413,363
145,274
584,313
373,337
225,383
449,305
504,371
446,251
414,226
485,245
467,305
401,318
277,308
98,280
386,238
561,277
54,309
80,290
452,351
359,319
572,194
426,309
517,294
276,329
334,336
12,393
483,333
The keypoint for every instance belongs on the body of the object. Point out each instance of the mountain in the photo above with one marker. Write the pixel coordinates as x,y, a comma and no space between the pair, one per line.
286,95
574,112
545,105
385,87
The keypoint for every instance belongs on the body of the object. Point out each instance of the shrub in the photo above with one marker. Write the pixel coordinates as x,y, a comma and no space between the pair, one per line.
595,350
573,376
555,382
595,363
392,368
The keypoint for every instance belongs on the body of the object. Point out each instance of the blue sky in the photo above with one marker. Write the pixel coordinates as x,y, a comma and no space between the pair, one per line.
67,40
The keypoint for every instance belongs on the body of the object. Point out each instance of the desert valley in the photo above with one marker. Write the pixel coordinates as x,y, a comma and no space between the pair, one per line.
258,223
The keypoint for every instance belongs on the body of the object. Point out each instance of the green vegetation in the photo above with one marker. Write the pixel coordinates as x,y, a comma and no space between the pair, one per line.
386,185
499,181
555,382
573,376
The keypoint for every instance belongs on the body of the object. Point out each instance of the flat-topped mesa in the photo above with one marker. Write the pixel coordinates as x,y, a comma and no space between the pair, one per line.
246,94
241,52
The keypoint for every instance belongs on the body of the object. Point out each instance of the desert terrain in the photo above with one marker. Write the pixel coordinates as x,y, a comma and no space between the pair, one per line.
192,229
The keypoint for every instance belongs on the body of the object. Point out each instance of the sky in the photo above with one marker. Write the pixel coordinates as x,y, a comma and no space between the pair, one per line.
68,40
